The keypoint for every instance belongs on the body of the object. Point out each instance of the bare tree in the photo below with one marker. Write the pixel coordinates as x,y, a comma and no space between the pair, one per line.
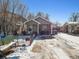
74,17
8,12
12,7
4,8
47,16
22,10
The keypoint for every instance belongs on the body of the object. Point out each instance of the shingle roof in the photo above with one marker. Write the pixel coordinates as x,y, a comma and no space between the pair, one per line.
42,20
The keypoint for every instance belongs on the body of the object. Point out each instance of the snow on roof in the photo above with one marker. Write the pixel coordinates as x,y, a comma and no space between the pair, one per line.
46,20
72,22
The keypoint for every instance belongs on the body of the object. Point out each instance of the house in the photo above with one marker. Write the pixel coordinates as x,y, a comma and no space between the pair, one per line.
38,24
72,27
64,28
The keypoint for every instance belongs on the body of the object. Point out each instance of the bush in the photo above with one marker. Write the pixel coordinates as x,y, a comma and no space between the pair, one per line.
7,39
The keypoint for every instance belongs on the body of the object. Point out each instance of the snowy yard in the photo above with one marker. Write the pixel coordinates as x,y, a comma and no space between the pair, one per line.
70,40
41,49
55,48
70,44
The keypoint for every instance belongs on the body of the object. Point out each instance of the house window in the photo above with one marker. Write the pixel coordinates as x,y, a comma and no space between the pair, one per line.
44,27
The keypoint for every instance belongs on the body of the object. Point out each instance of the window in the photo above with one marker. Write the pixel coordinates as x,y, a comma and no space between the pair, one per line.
44,27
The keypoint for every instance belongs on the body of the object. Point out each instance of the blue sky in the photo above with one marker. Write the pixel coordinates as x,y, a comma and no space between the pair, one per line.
58,10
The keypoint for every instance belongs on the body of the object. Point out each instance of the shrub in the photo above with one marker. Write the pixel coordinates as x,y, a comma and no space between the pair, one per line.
7,39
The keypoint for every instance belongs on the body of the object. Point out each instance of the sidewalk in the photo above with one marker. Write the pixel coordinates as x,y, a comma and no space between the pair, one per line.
69,39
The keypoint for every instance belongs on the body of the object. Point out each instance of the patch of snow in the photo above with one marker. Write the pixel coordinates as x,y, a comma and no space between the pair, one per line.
70,40
60,53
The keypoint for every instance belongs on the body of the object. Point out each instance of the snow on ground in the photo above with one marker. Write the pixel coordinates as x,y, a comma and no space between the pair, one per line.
51,46
21,53
7,46
60,53
49,50
1,47
70,40
41,49
69,43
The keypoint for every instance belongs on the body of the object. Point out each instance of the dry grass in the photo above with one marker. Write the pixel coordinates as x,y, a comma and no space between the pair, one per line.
45,52
37,48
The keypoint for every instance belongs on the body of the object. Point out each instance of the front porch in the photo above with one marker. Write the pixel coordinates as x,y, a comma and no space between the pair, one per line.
33,26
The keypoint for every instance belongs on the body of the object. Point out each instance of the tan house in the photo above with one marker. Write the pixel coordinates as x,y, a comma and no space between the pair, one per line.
71,27
39,25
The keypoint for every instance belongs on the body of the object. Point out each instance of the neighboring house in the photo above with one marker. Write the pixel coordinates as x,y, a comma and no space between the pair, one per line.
39,24
72,27
64,28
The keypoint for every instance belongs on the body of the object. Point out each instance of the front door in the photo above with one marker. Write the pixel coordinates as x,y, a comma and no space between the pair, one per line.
30,29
